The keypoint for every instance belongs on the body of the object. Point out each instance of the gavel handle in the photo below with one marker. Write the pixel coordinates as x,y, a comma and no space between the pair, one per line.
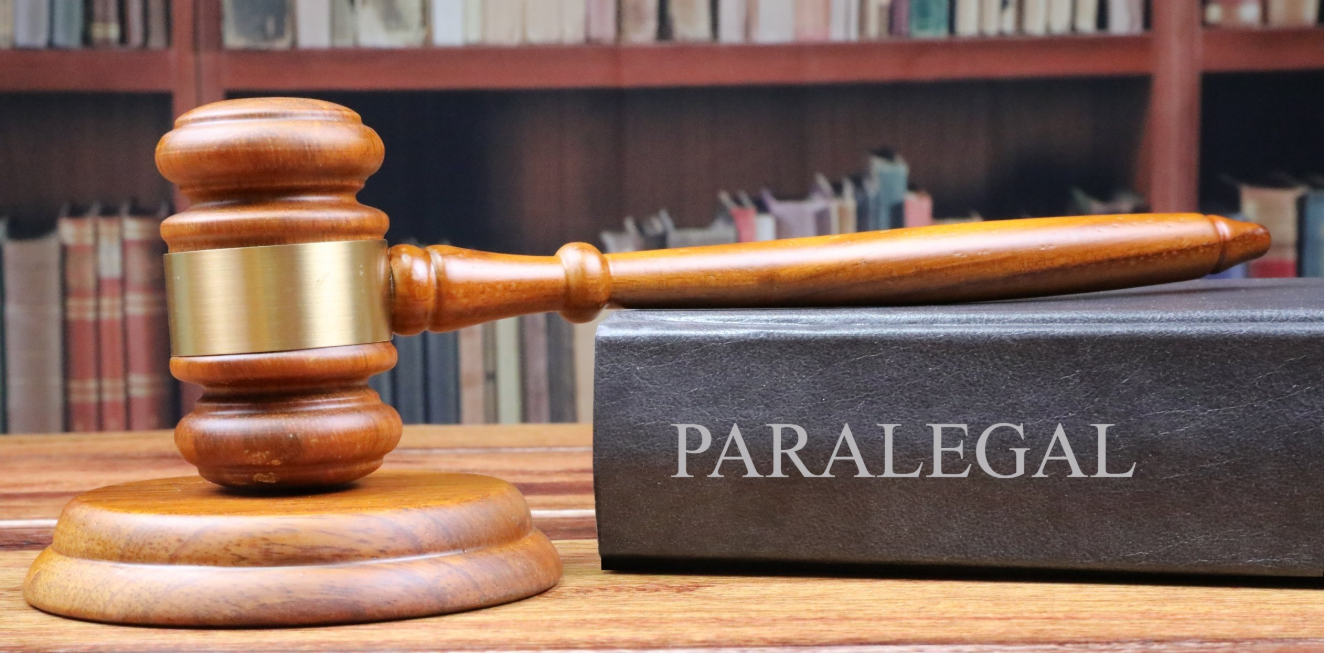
445,288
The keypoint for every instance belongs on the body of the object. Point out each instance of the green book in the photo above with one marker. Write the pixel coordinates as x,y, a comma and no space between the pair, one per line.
929,18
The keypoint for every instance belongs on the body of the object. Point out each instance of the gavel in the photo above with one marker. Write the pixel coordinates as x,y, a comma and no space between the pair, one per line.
283,294
283,297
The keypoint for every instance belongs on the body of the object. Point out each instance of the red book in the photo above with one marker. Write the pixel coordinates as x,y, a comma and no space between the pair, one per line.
78,237
110,318
146,333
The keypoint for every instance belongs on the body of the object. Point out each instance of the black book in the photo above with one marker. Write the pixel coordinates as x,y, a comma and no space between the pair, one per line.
442,374
1171,429
408,379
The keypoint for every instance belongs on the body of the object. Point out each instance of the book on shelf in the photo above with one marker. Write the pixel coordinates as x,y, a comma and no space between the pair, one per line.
257,24
447,23
1233,13
442,377
312,23
689,20
503,22
473,22
32,24
928,19
149,386
966,17
534,377
34,348
506,372
6,24
390,23
772,21
639,21
135,23
408,379
601,21
78,238
1276,209
813,20
66,23
106,28
889,173
472,375
158,24
574,21
1060,16
110,321
542,21
1126,16
844,20
1034,17
1086,16
1292,13
1009,17
876,20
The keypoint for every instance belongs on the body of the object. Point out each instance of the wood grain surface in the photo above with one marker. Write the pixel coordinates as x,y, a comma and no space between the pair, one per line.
592,609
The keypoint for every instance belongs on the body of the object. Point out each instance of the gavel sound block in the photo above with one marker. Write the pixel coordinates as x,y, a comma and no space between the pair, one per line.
283,298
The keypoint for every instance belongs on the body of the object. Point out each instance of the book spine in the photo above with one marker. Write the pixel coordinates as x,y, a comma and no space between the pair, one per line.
574,21
602,21
1310,241
146,332
443,378
79,238
105,28
639,21
560,369
158,24
408,379
34,351
503,22
966,17
1086,16
473,403
110,323
507,346
135,23
312,23
6,24
534,368
67,23
813,20
32,23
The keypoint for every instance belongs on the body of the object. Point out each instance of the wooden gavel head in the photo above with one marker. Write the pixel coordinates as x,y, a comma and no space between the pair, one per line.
261,173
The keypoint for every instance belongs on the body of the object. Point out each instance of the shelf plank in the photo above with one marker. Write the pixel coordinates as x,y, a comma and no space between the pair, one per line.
125,71
678,65
1262,50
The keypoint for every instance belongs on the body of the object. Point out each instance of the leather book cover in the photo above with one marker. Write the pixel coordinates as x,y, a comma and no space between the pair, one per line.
1174,429
78,238
110,322
34,355
146,331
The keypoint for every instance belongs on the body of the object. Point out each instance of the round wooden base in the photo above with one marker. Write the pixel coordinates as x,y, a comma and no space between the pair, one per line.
394,545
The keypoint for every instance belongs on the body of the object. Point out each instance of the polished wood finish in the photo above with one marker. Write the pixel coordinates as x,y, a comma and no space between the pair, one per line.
591,609
447,288
185,552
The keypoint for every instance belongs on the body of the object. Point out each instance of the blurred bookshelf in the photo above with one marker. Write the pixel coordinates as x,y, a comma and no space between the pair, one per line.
523,148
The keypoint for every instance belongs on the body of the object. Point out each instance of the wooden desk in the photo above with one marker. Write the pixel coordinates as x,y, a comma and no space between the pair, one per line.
592,609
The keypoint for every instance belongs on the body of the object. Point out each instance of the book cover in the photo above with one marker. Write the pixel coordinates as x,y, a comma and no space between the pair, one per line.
78,239
390,23
542,21
1126,16
474,21
966,17
146,331
601,24
574,21
991,17
1310,244
929,18
535,391
110,322
408,380
1034,17
66,23
639,21
1274,208
135,23
503,22
1086,16
442,373
158,24
560,369
813,20
889,172
257,24
510,398
1292,13
34,351
1060,16
1171,429
312,22
731,21
773,21
473,375
32,23
876,19
690,20
6,24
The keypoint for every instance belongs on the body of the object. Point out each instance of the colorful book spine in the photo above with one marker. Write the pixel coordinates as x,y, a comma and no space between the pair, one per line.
146,333
78,237
929,18
34,369
110,323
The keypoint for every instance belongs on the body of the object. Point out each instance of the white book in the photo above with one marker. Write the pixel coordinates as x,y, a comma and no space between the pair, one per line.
966,17
766,227
503,22
574,21
391,23
1125,16
473,21
1035,17
991,14
876,19
731,21
691,20
1086,16
775,21
542,21
32,23
1060,16
509,387
447,21
844,20
1008,15
312,23
344,28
